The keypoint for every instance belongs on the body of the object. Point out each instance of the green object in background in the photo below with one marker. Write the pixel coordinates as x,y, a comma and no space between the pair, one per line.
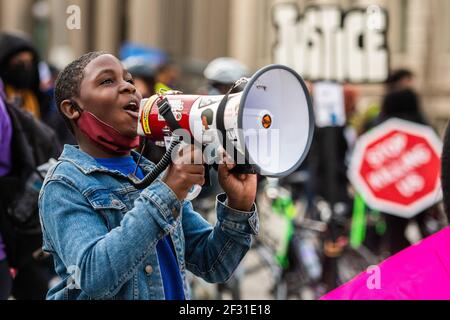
282,256
381,226
358,231
161,88
285,207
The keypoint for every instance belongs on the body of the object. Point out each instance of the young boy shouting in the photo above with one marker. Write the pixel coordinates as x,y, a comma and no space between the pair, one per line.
112,241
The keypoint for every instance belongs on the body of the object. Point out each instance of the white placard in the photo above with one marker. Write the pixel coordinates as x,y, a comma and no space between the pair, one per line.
329,104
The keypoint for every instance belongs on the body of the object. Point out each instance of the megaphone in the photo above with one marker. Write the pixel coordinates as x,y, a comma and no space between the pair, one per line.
268,127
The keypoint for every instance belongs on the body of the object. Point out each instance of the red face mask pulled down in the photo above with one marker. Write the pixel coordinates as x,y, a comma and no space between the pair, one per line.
104,135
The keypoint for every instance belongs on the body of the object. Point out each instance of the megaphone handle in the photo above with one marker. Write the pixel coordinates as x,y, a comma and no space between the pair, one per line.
207,176
243,169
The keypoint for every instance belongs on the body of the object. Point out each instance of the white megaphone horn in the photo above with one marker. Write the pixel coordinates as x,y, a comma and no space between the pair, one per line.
268,127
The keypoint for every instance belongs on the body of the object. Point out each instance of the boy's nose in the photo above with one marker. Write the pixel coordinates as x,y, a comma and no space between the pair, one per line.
127,87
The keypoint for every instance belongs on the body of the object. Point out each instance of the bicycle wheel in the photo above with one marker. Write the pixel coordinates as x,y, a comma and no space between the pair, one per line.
353,262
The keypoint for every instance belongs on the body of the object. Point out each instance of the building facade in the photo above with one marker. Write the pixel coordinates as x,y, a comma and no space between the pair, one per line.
196,31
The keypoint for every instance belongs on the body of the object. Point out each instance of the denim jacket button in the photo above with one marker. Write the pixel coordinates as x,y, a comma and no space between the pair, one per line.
116,203
149,269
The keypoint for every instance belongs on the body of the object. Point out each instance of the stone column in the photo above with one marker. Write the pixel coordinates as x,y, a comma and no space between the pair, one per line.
66,44
209,32
107,25
243,31
144,18
15,15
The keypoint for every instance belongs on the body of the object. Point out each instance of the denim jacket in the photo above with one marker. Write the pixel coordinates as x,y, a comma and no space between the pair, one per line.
102,232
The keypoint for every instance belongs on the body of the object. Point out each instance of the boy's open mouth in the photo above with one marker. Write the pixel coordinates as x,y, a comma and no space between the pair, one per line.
132,109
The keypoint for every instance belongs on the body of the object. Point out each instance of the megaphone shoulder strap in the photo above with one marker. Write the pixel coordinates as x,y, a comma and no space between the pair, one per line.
220,122
165,110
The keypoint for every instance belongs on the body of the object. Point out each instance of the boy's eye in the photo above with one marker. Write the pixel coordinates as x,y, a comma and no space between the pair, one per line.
107,81
131,81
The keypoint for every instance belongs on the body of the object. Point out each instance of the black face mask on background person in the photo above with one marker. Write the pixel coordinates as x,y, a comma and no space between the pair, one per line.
19,76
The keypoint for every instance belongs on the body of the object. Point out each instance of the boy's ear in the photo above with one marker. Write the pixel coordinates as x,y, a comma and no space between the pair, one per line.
70,110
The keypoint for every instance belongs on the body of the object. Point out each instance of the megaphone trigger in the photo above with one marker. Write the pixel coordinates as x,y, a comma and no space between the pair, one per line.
232,167
243,169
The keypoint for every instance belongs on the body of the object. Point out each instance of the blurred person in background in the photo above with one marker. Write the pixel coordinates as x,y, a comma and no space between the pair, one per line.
398,80
19,69
327,160
5,167
54,119
328,182
221,74
352,94
25,87
167,76
25,144
404,104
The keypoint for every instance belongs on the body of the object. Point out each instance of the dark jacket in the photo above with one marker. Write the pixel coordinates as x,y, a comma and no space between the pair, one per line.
445,178
402,104
33,144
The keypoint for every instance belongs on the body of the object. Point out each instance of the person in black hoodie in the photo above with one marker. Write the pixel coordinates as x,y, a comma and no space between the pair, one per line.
19,69
445,172
402,104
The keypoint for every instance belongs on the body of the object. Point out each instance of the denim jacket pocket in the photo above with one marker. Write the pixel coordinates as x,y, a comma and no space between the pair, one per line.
109,205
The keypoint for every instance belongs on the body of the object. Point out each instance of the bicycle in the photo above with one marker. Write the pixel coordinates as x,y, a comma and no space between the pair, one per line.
312,251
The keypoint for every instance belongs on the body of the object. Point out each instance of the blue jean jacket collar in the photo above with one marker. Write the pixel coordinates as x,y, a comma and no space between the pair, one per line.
88,165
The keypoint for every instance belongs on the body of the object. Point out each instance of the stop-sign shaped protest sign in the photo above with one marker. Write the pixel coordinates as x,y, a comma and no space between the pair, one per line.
396,168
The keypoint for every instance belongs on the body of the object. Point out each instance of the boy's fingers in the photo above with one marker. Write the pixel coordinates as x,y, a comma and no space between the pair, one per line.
197,156
190,154
199,179
225,158
223,169
191,168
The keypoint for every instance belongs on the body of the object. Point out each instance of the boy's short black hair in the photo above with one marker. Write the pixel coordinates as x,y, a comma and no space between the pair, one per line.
68,83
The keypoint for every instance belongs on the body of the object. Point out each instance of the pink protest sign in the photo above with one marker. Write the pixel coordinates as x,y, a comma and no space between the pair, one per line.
421,272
